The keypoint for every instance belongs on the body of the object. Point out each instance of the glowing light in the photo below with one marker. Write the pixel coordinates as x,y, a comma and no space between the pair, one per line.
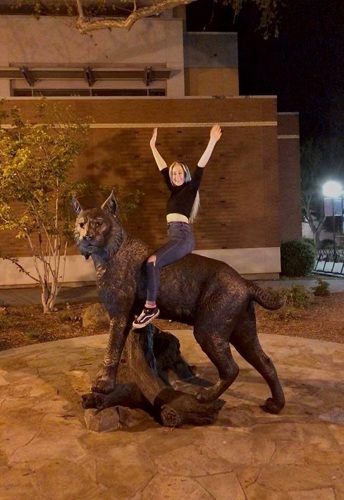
332,189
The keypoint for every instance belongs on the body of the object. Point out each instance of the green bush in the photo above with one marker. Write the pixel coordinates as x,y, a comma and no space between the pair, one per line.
298,297
295,299
297,258
309,240
326,244
322,289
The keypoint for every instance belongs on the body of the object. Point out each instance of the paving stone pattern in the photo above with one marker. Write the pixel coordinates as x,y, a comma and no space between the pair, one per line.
47,452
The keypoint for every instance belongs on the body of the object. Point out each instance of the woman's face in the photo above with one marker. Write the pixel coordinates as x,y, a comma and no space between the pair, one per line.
178,175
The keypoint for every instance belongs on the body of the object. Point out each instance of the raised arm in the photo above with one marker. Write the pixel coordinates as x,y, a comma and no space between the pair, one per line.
157,156
215,135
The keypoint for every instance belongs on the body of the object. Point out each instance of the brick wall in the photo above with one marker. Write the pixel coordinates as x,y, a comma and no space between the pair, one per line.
289,172
240,190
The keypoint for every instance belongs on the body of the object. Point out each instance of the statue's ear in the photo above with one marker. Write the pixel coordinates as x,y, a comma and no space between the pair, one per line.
110,205
76,206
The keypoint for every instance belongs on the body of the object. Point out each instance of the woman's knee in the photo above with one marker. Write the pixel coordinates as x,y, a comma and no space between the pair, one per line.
151,259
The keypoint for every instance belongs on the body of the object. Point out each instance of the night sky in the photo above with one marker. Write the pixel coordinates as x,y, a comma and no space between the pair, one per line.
304,66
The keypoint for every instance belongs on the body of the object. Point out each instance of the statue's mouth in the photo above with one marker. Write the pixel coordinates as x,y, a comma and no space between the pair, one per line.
89,247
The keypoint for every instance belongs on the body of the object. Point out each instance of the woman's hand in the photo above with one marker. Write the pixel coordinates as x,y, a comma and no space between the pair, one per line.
154,138
215,135
215,132
157,156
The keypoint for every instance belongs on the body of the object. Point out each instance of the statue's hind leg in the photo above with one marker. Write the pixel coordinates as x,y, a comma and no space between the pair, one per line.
244,338
218,351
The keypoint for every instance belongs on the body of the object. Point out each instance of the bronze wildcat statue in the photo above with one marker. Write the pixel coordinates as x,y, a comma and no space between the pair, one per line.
196,290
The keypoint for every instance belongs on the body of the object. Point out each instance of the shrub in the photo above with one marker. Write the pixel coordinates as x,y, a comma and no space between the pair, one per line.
309,240
295,298
298,297
321,289
326,243
297,258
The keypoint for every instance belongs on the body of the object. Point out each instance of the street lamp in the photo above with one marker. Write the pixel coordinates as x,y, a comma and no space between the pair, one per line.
334,191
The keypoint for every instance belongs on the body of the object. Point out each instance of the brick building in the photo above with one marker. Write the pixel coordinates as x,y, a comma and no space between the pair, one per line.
156,75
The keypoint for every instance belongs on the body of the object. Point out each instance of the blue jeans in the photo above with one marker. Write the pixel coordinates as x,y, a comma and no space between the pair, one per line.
180,243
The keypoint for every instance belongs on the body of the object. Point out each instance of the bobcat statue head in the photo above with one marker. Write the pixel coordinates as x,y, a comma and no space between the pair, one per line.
97,230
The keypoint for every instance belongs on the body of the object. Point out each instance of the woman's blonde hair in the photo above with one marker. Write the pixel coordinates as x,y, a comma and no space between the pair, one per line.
187,177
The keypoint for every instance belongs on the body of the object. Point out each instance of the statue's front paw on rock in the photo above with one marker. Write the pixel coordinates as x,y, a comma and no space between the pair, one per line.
205,395
105,381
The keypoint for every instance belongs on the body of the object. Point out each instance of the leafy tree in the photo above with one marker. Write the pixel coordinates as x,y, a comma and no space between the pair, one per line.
108,14
36,157
321,161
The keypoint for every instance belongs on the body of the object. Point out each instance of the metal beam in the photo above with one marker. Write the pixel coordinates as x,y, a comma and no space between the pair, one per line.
27,74
147,77
147,74
89,76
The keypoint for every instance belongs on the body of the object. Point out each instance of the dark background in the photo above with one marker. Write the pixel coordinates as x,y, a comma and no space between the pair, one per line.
304,66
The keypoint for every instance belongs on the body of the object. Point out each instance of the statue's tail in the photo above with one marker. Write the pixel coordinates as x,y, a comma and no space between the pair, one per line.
265,298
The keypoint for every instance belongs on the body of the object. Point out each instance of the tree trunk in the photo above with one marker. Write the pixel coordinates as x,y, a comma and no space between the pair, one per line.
48,297
142,382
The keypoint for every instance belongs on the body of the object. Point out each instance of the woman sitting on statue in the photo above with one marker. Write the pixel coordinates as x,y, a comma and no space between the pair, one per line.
182,208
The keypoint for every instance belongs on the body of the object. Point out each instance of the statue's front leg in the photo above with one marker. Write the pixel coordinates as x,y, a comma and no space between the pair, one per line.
106,378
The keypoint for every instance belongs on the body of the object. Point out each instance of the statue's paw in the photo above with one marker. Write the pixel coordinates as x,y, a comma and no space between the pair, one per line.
205,395
270,406
105,381
103,385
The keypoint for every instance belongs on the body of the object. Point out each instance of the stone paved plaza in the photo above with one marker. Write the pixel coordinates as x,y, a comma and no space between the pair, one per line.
46,451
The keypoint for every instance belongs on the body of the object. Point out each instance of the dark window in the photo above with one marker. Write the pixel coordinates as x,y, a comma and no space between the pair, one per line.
50,92
157,92
86,92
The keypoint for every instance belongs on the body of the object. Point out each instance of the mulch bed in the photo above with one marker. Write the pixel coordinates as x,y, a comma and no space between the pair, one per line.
25,325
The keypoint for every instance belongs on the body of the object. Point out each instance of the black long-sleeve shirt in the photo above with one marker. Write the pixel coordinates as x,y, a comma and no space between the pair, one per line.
182,197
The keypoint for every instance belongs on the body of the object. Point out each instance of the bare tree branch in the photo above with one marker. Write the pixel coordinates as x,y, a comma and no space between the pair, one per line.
15,261
85,24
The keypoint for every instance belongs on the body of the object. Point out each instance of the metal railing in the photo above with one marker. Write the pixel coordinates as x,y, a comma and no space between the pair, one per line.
330,261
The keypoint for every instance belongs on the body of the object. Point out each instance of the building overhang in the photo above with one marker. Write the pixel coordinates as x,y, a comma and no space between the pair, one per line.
90,74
